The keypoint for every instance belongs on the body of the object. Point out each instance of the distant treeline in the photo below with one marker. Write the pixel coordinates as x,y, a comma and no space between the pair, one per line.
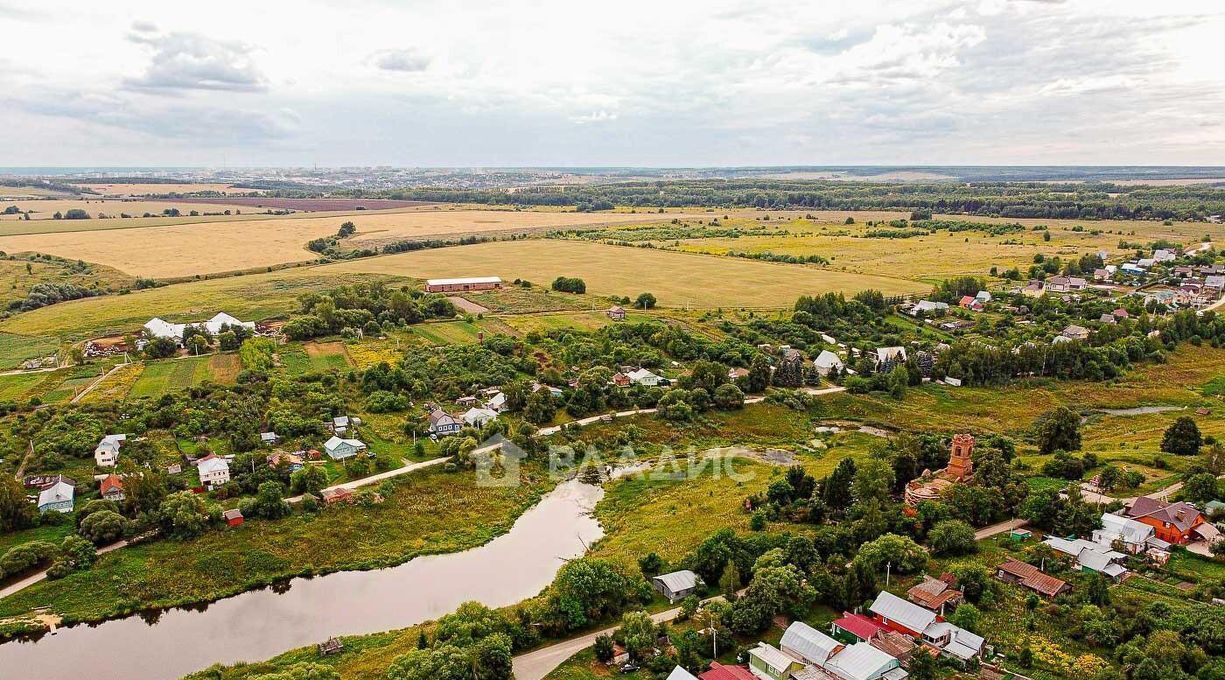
1092,200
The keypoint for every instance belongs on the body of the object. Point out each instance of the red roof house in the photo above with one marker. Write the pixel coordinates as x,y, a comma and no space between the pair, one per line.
1172,522
857,625
112,488
720,672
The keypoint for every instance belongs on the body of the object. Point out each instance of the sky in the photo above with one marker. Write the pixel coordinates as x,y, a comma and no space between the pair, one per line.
628,83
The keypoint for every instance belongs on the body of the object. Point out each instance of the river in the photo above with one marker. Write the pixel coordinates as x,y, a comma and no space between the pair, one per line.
260,624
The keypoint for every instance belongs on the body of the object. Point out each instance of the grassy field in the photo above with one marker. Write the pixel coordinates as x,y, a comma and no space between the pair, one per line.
224,245
430,512
17,348
18,276
941,254
583,321
136,189
50,386
676,279
257,296
313,357
173,375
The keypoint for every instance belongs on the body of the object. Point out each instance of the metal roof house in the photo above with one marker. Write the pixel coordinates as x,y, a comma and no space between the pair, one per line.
679,673
1133,535
804,642
340,449
900,615
56,498
769,663
862,661
677,585
106,454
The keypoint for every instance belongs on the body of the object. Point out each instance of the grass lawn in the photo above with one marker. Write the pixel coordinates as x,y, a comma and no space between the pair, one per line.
170,375
326,356
583,321
15,349
430,512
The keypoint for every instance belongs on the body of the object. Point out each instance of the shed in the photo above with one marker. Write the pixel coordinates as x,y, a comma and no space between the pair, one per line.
233,517
677,585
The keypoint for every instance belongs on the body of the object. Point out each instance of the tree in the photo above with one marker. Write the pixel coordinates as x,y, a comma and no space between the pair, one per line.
15,511
873,481
760,371
1182,437
1058,430
923,666
541,407
565,284
650,564
301,671
836,488
966,616
728,397
103,527
603,648
76,554
905,556
645,301
144,492
637,633
270,501
1201,488
183,515
161,348
951,537
346,229
310,479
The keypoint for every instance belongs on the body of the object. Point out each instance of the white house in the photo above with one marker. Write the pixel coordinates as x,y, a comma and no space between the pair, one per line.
1133,535
642,376
679,673
827,361
106,453
983,296
213,471
340,449
497,402
927,307
477,417
1164,255
56,498
888,357
1090,556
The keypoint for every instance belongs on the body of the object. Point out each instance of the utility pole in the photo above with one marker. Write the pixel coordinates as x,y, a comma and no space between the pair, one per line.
888,569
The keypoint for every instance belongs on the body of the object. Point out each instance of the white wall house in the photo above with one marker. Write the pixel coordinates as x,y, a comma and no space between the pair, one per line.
213,471
106,454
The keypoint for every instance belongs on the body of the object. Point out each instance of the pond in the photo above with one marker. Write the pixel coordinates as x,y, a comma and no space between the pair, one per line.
260,624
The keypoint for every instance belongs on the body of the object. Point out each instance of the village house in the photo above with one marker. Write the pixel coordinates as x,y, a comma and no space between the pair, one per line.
1175,523
888,357
827,362
556,392
1101,275
111,488
720,671
1065,284
898,615
677,585
935,593
621,380
460,285
1029,576
477,417
679,673
616,313
443,424
233,517
805,643
292,460
853,627
737,373
1090,556
1034,288
928,308
1107,319
341,449
1074,332
56,497
1215,283
1134,537
213,471
106,453
1164,255
1120,314
340,425
269,438
497,402
644,377
769,663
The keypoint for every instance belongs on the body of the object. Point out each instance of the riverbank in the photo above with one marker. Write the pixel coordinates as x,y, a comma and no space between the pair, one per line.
429,513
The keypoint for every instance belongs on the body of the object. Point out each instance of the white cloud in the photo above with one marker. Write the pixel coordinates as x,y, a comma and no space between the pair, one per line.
447,82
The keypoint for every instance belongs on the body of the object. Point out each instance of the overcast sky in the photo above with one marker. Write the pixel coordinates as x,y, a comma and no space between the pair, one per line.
626,82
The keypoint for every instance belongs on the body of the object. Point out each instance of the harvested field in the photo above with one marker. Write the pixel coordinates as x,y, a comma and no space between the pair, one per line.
467,305
112,208
162,189
314,204
677,279
240,244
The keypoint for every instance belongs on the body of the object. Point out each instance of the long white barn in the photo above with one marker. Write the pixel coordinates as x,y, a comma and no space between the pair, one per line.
160,328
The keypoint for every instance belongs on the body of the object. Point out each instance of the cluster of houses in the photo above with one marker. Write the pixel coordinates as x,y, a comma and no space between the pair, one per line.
483,408
859,646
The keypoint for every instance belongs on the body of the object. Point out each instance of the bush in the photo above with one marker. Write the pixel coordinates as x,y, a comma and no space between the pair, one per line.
103,527
1182,437
952,537
565,284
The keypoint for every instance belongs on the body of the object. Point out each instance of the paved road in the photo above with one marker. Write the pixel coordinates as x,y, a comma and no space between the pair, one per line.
988,532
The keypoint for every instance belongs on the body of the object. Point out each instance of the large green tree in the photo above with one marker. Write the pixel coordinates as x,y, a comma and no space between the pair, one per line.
1182,437
1058,430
